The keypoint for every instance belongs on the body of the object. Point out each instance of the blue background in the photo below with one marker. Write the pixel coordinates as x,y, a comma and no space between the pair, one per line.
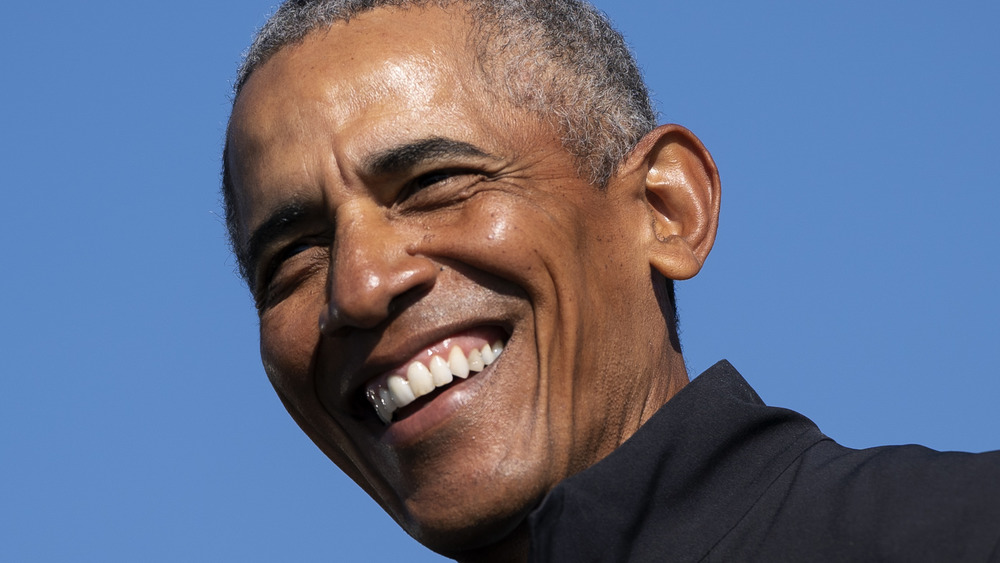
854,277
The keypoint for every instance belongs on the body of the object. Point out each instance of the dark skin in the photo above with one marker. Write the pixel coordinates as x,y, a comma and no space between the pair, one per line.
391,205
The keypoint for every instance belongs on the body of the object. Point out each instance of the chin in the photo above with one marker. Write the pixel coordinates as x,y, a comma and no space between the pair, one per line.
475,538
473,515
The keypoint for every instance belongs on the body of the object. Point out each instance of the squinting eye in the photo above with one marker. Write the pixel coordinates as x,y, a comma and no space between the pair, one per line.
430,179
285,255
295,249
442,177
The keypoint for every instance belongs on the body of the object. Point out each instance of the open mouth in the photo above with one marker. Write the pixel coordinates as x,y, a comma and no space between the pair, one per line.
436,368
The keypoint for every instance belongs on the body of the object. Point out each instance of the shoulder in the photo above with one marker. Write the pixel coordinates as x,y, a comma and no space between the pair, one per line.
896,503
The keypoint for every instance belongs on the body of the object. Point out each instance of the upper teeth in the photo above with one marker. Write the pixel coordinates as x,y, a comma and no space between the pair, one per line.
398,391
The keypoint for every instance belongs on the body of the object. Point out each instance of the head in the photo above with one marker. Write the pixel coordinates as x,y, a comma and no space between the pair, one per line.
560,60
412,182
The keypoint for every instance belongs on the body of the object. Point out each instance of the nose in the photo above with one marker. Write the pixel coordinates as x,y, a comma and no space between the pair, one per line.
373,265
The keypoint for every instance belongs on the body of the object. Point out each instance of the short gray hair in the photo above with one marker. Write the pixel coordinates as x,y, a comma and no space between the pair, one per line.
560,59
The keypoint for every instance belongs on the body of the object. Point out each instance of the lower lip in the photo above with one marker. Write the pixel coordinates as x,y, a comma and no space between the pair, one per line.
414,427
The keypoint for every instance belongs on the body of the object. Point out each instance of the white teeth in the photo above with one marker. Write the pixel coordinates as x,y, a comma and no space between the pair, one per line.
457,362
440,371
476,361
420,379
487,353
401,393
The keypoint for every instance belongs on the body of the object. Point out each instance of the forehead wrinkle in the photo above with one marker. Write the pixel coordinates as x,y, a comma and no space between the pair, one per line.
407,74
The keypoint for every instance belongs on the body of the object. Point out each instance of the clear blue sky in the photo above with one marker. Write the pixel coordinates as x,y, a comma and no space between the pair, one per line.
854,278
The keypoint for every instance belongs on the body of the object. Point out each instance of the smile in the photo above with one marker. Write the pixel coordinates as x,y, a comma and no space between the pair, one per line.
456,357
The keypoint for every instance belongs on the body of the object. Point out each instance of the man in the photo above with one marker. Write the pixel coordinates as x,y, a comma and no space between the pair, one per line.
460,226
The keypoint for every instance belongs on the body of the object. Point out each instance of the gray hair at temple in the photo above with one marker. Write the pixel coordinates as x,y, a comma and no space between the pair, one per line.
560,59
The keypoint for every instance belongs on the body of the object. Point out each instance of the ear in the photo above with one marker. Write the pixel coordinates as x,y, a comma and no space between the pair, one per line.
681,196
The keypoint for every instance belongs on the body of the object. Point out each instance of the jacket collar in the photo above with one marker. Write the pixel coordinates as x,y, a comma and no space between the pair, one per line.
680,483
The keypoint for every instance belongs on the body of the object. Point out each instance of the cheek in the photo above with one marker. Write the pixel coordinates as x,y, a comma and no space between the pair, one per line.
288,338
518,240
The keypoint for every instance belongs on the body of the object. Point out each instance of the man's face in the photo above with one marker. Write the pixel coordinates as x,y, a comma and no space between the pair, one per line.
388,196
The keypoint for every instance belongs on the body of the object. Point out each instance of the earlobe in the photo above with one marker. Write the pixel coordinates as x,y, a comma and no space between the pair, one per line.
682,197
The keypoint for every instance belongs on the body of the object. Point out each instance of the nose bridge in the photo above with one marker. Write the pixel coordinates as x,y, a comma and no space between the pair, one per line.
371,266
363,244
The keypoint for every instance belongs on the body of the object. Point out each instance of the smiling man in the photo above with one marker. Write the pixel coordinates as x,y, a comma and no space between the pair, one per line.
460,226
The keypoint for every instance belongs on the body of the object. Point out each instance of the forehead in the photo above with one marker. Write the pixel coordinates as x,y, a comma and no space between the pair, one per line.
389,50
388,76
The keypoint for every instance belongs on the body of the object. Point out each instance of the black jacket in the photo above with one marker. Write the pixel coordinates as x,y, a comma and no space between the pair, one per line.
716,475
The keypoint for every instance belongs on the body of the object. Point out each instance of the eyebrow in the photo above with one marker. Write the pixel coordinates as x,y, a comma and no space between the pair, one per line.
279,222
399,159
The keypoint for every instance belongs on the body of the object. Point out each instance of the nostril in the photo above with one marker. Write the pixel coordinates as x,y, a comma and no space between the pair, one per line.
406,299
363,295
329,320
